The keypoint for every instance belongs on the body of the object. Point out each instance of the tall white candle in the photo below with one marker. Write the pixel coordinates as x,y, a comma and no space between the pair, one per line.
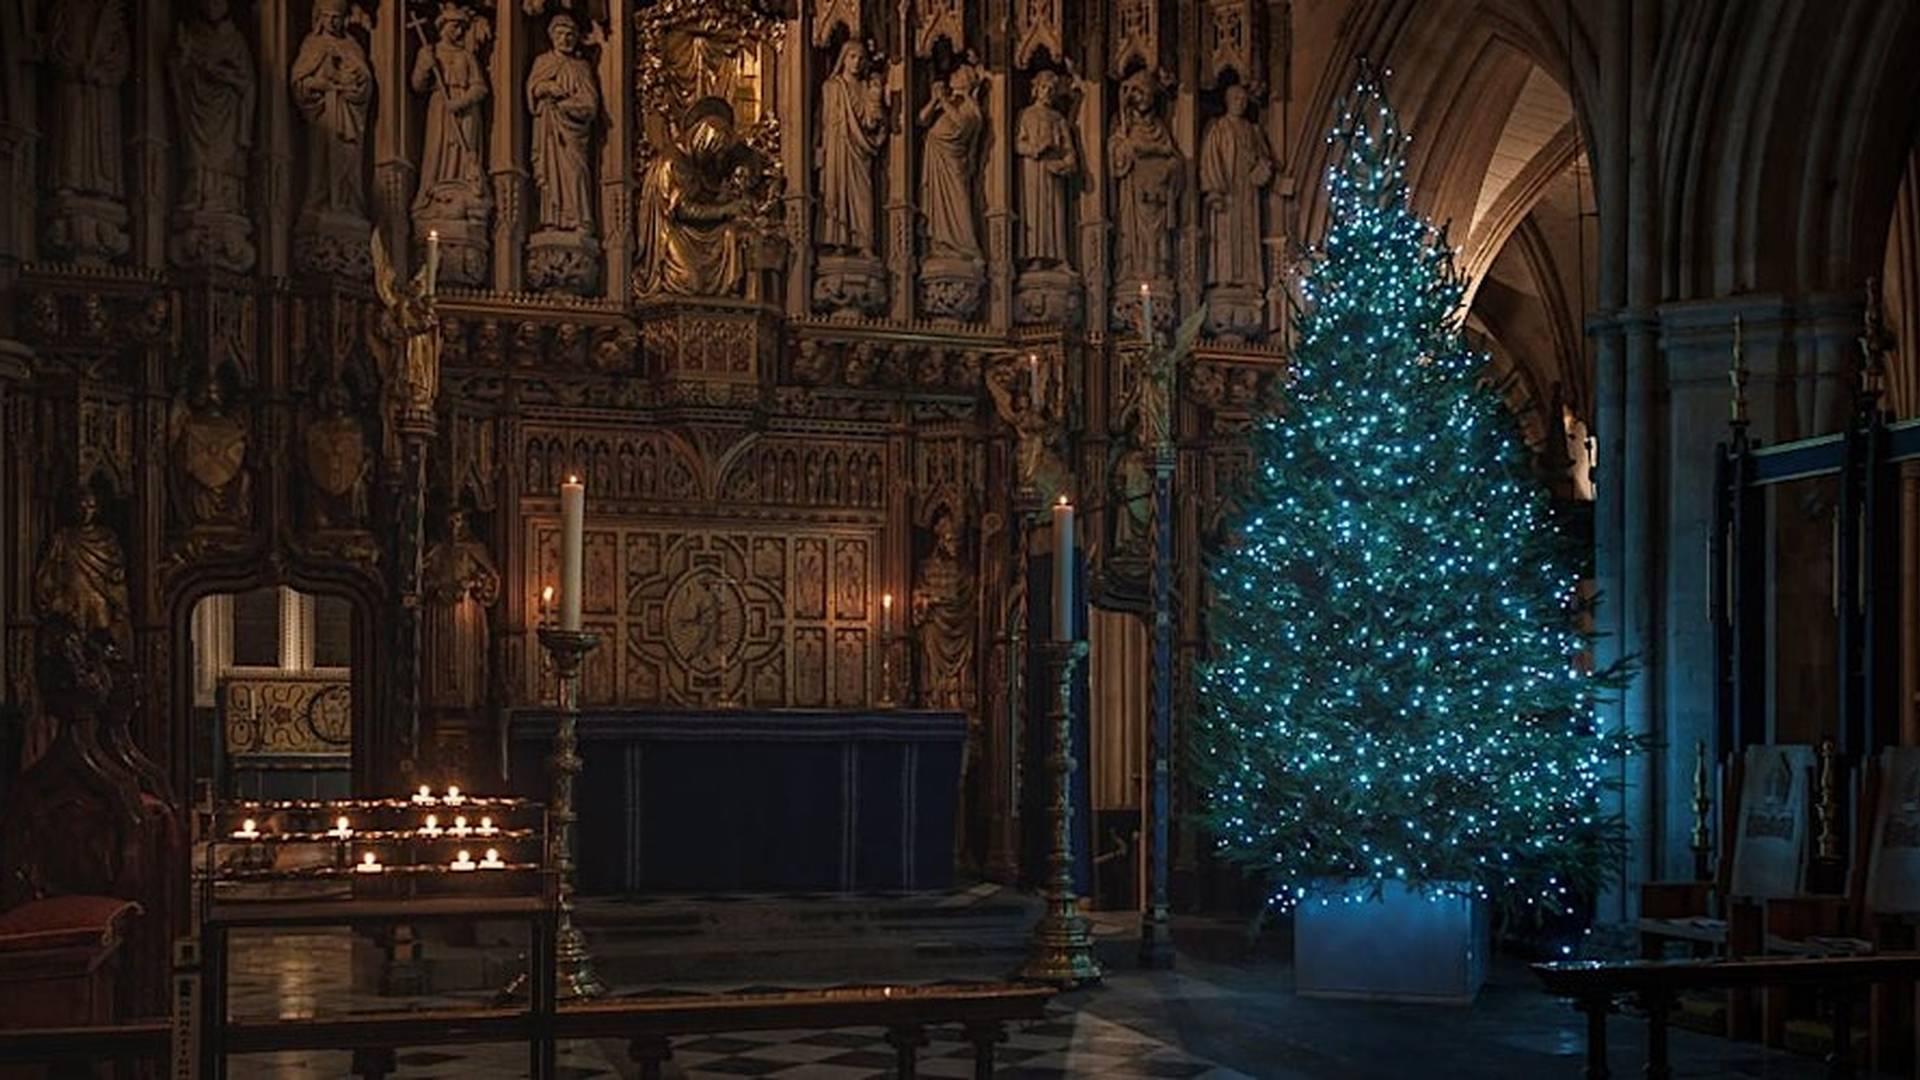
1146,311
886,615
1063,570
1033,378
573,518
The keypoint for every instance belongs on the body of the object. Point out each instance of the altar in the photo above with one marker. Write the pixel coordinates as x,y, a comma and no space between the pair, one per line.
733,800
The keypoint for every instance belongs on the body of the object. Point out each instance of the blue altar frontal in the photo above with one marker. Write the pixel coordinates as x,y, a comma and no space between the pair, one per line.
733,800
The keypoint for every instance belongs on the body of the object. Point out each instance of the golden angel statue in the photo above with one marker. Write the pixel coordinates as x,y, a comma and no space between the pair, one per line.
411,328
1146,418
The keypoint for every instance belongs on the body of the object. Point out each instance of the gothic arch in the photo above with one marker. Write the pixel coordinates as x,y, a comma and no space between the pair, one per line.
374,732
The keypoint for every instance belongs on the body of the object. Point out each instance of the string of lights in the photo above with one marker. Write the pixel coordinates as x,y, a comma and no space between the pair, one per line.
1396,689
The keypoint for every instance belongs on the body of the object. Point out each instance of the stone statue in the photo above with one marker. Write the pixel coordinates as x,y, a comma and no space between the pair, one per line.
332,86
1235,168
211,483
1147,169
853,118
89,49
1033,414
953,273
83,575
692,200
564,98
943,618
454,198
412,329
459,582
1049,161
213,95
1047,288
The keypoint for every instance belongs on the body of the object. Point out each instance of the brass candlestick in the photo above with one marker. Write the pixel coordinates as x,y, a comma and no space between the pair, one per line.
575,977
1062,949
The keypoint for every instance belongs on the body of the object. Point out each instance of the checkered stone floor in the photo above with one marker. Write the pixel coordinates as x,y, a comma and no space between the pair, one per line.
1066,1044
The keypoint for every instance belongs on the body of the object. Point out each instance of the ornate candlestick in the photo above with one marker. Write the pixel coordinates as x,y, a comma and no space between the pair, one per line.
1702,839
575,977
1062,949
1156,929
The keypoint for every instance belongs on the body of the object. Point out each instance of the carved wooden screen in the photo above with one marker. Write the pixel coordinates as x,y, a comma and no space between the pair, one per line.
722,614
748,584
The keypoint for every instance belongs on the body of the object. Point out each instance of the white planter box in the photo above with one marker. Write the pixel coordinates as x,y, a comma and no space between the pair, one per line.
1409,945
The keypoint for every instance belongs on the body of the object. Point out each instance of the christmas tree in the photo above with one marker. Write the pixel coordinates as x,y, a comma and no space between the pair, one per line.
1396,690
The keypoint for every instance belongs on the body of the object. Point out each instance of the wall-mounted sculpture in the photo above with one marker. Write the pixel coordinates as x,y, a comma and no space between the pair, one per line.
83,574
563,94
339,461
1028,398
1048,288
454,199
459,582
1236,166
694,206
943,618
853,127
407,333
332,86
89,50
212,485
953,274
1149,177
211,73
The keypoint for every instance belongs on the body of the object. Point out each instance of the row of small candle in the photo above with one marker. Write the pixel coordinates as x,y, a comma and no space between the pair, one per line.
463,860
343,829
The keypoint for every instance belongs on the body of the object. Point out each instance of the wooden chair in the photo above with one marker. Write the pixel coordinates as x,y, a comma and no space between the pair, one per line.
1764,814
89,840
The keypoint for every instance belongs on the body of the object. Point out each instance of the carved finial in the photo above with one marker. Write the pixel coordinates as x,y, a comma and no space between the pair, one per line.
1737,373
1875,341
1702,806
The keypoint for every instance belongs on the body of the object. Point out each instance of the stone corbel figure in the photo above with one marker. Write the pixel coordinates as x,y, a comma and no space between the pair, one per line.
454,198
212,76
1025,397
1148,175
853,127
1047,290
943,619
563,95
411,330
83,575
90,51
1236,166
332,86
953,275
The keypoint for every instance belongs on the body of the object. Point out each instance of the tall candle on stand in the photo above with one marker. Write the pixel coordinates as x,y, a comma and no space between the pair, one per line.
886,615
1063,570
573,517
1146,312
1033,378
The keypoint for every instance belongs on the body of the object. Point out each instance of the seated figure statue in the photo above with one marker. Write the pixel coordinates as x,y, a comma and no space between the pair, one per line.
695,202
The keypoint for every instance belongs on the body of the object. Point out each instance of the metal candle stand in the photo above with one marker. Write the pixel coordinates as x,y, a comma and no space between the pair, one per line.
1062,948
569,648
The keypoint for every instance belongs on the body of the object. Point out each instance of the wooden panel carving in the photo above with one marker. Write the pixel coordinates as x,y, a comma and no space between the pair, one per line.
773,616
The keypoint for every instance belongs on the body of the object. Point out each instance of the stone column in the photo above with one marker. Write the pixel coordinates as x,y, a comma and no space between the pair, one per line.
1095,226
902,213
997,242
151,176
616,149
394,172
797,137
275,41
507,149
16,533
